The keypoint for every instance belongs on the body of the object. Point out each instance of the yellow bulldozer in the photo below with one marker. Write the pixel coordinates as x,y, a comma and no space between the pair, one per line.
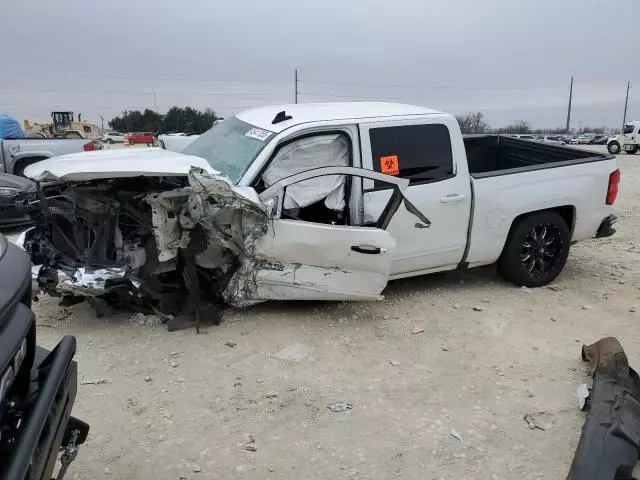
63,125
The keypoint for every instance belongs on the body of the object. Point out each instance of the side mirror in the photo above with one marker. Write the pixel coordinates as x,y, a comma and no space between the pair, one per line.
273,204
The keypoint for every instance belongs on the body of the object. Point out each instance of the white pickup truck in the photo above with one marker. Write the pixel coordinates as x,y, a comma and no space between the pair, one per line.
317,201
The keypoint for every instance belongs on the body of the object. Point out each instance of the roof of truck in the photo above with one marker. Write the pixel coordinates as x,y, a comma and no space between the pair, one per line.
315,112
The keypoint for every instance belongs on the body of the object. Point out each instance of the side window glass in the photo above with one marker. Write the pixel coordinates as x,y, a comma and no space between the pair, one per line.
288,205
421,153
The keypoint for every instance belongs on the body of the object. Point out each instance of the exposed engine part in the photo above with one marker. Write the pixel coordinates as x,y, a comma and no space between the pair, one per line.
168,245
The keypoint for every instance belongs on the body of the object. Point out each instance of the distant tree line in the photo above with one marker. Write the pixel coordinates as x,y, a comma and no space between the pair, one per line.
177,119
474,122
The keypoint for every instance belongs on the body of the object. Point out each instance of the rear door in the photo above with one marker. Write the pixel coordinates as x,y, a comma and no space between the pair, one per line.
307,260
421,151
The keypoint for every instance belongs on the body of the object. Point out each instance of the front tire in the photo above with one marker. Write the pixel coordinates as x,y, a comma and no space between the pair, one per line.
614,148
132,141
110,141
536,250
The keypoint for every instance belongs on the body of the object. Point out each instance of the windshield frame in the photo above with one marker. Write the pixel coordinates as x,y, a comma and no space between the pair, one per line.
257,138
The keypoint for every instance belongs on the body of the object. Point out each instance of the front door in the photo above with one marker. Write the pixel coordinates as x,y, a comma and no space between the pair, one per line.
306,255
422,152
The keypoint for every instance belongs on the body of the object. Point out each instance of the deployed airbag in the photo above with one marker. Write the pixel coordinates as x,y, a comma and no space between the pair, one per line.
307,154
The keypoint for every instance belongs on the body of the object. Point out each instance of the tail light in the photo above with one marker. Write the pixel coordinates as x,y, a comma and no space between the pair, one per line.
91,146
612,191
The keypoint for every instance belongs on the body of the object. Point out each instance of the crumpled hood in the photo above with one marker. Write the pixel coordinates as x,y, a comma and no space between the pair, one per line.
135,162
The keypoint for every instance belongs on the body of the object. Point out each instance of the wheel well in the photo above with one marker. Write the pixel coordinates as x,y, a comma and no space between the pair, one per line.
23,163
567,212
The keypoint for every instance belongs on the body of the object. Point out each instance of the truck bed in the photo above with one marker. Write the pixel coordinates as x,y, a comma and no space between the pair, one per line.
490,155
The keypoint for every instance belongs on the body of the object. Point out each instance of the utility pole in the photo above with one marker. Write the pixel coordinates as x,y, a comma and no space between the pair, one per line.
626,102
296,86
155,105
569,109
102,120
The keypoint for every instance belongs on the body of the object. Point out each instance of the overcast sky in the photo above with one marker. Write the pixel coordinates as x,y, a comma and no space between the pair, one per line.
511,59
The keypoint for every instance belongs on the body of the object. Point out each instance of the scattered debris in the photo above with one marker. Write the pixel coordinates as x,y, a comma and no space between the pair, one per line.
197,469
553,288
107,470
417,329
295,352
538,420
632,309
230,344
393,363
525,289
583,394
147,378
455,434
250,448
456,306
608,446
445,348
477,308
97,381
586,307
340,406
271,395
173,364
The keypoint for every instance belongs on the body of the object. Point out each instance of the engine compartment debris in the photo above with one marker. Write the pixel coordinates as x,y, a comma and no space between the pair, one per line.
172,251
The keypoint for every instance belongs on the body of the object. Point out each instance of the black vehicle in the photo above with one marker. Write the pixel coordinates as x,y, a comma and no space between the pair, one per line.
12,187
37,386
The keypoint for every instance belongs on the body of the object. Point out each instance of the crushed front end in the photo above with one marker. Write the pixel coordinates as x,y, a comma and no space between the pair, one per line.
164,244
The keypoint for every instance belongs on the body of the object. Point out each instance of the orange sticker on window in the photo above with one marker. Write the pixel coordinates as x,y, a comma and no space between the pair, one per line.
389,165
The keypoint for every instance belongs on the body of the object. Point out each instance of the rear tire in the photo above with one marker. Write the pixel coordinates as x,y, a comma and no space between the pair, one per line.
632,152
536,250
110,141
132,141
614,148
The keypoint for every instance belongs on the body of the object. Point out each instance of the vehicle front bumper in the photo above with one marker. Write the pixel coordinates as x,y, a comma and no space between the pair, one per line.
47,423
606,227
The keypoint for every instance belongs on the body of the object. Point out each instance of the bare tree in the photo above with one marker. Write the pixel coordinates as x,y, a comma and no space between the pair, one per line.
472,122
521,126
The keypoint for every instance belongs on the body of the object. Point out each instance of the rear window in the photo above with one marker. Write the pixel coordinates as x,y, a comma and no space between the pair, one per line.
421,153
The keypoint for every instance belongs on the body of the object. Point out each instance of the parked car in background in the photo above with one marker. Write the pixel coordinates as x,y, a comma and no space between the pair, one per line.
12,189
175,142
628,141
552,140
16,155
598,140
139,137
113,137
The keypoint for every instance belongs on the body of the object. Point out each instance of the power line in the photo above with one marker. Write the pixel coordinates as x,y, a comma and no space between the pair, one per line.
144,79
413,86
141,92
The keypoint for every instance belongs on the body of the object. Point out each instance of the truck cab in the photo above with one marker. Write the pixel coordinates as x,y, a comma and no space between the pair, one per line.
628,141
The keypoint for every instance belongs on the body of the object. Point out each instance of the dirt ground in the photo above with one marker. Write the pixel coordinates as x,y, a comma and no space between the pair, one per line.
445,403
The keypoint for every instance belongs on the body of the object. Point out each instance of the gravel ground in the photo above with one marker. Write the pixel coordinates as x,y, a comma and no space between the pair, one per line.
445,403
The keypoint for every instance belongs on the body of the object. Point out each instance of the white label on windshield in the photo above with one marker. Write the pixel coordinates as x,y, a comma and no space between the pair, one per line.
258,134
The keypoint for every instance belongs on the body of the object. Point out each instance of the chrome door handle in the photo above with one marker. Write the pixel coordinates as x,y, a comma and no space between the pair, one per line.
452,198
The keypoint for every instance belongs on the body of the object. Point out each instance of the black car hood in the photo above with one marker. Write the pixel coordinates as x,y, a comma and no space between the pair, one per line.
13,181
